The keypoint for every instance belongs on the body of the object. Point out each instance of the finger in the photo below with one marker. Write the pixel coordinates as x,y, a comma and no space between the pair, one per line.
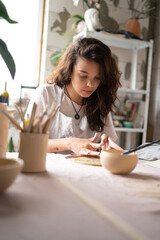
108,148
112,144
95,145
104,140
93,139
89,152
104,147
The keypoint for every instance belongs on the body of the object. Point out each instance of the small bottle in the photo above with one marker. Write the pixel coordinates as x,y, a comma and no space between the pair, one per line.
5,95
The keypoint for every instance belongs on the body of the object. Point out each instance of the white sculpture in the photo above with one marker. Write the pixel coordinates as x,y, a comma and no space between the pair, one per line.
91,17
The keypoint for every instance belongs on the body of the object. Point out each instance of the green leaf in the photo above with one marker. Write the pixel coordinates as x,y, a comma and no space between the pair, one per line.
74,25
4,14
10,147
78,16
7,57
57,56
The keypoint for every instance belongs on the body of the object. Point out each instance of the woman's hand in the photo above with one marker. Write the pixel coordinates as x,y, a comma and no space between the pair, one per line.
85,146
107,143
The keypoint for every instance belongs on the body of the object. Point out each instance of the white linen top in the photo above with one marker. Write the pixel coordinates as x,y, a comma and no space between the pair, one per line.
64,124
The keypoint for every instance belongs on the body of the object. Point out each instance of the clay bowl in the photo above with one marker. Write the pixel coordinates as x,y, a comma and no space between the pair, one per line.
9,170
113,161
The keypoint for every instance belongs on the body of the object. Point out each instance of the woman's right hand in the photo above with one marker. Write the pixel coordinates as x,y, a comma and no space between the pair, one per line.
82,146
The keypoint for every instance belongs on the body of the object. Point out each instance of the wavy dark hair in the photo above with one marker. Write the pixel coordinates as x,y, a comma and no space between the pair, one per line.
101,102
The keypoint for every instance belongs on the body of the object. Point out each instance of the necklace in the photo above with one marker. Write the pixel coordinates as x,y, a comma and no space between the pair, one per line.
76,116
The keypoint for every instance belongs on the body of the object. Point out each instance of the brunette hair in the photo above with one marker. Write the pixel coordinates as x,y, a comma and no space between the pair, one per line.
101,102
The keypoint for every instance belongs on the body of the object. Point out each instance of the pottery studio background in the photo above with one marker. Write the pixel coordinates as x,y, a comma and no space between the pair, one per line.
46,31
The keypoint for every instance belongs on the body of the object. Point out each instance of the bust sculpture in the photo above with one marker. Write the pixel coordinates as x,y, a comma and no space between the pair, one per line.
91,17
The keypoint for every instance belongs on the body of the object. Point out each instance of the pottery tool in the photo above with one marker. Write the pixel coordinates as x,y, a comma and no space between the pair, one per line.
12,119
140,147
32,117
36,125
115,221
19,109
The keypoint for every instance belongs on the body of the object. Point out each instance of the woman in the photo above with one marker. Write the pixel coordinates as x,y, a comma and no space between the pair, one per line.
84,84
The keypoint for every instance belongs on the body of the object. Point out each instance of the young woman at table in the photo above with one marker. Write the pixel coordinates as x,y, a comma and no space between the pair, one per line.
84,84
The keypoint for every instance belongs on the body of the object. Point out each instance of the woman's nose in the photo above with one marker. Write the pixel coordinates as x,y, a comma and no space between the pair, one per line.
90,83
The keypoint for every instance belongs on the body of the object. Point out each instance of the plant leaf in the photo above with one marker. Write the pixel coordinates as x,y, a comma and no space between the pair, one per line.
4,14
78,16
57,56
7,57
74,24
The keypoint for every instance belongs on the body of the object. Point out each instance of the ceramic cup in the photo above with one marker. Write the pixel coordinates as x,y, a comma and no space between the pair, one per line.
33,150
4,122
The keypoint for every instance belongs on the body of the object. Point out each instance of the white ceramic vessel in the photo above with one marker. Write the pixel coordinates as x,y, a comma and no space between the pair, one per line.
116,163
9,170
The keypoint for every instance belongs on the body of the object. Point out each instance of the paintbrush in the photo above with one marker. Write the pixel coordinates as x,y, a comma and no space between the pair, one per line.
140,147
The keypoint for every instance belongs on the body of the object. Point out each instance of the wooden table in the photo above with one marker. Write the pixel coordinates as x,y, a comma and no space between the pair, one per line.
74,201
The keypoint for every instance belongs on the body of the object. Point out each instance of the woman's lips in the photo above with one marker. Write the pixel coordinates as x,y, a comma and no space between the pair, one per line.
88,92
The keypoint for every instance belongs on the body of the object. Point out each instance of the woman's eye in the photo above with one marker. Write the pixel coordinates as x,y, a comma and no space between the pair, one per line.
97,78
83,76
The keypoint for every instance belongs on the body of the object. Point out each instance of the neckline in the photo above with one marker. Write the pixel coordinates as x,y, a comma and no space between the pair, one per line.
79,105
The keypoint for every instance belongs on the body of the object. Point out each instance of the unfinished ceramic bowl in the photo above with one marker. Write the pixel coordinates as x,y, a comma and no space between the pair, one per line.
116,163
9,170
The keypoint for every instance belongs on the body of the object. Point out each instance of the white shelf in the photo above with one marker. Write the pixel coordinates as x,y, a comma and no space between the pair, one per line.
114,41
133,91
119,129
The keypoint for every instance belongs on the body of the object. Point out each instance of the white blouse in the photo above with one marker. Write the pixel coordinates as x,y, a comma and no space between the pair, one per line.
64,124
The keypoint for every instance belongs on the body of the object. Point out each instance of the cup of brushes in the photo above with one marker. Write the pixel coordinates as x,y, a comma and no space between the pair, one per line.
34,138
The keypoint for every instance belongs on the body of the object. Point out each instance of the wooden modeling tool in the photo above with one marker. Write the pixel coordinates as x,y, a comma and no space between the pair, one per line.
12,119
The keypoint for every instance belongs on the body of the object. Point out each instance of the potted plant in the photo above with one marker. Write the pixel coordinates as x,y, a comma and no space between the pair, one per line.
139,10
7,57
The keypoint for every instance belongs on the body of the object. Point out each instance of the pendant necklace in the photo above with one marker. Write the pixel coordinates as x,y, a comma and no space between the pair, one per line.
76,116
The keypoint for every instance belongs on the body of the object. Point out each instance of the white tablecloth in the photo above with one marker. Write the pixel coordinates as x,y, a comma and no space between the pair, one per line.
39,206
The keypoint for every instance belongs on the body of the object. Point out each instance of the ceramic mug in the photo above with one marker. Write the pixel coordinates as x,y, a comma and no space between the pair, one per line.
4,122
33,149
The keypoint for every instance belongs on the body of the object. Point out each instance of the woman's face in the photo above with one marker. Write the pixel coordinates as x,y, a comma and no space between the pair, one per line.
85,79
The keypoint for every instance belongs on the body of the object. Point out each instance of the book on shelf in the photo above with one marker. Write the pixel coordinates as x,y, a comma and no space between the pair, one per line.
132,111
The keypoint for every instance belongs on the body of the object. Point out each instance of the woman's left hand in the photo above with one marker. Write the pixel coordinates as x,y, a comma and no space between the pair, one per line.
107,143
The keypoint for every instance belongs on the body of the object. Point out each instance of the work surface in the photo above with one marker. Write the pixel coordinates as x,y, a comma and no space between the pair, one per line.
74,201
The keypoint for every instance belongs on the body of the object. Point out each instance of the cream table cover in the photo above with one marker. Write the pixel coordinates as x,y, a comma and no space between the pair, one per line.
38,206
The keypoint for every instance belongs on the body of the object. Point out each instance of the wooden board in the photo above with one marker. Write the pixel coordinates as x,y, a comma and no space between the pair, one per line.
93,161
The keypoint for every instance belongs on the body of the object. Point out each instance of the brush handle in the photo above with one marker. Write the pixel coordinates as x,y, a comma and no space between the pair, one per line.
12,119
140,147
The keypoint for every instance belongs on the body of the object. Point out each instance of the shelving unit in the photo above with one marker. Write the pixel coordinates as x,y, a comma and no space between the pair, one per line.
134,45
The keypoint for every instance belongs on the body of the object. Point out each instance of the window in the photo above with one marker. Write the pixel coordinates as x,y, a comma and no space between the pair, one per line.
24,42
